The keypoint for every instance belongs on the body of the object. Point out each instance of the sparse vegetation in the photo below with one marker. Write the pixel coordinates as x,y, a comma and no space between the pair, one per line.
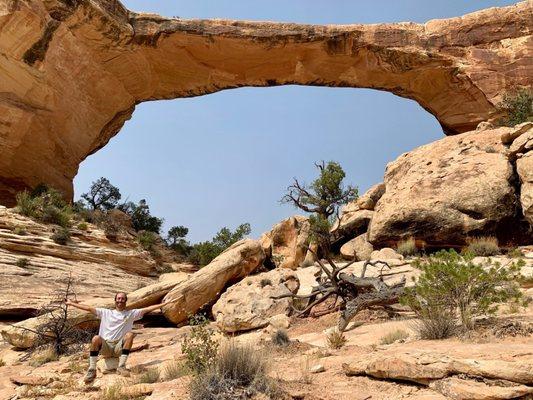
518,106
204,252
280,338
151,375
173,370
23,262
265,282
114,392
2,363
44,204
407,247
515,253
199,347
452,287
237,371
82,226
43,356
61,236
335,339
19,230
484,246
147,240
394,336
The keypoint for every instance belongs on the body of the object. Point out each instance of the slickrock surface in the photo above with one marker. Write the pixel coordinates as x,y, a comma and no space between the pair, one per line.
73,72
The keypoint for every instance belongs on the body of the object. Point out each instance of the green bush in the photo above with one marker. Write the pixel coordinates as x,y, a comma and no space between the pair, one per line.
44,204
238,372
82,226
19,231
518,106
61,236
407,247
204,252
200,347
451,286
147,240
515,253
23,262
484,246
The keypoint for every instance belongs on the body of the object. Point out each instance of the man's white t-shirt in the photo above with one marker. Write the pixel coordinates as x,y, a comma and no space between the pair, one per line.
114,324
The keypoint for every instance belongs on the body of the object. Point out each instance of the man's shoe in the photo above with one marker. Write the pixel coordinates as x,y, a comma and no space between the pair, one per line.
89,376
122,371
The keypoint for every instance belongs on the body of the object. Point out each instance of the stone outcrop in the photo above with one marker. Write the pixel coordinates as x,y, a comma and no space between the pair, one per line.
449,375
205,286
359,247
447,190
520,142
33,267
249,304
287,243
73,72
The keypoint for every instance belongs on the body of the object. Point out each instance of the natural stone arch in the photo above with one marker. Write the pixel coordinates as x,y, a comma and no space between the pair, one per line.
72,72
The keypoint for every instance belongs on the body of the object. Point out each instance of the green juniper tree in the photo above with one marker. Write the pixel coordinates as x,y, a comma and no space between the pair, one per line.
102,195
323,199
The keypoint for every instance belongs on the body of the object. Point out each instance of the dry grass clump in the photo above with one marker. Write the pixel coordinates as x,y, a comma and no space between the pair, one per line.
394,336
335,339
151,375
436,325
280,338
114,392
238,370
483,246
43,357
173,370
407,247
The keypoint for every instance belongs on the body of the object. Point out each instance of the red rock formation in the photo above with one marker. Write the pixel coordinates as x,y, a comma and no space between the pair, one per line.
72,72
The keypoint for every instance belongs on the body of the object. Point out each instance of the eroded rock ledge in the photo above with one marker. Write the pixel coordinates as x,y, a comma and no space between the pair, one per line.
73,72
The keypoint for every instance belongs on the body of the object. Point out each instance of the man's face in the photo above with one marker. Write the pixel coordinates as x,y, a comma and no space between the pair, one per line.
120,301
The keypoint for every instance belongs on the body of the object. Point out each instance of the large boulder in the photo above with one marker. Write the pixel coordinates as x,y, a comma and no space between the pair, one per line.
287,243
520,141
206,285
249,303
447,190
369,199
359,247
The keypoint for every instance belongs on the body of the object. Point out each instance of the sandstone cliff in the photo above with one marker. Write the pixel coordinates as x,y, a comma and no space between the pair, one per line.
72,72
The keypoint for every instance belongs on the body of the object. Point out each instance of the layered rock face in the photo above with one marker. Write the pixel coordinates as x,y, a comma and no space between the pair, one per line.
33,268
72,72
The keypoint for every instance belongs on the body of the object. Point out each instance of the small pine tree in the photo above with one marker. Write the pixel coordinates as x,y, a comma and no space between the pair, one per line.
102,195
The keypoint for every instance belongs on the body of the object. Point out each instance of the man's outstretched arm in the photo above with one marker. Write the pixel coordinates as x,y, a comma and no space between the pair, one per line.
90,309
148,309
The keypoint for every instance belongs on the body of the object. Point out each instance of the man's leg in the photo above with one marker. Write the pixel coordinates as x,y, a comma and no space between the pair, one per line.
127,343
96,345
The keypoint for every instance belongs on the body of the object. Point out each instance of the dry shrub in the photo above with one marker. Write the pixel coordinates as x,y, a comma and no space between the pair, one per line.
114,392
2,363
44,356
436,324
61,236
151,375
335,339
407,247
23,262
173,370
238,371
394,336
483,246
280,338
199,347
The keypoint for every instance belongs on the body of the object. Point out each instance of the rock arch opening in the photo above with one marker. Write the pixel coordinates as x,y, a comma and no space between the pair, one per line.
76,71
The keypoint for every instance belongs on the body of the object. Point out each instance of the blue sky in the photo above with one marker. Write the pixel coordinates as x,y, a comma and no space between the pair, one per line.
227,158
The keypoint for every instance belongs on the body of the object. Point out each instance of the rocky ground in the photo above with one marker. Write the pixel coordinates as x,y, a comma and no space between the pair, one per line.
495,362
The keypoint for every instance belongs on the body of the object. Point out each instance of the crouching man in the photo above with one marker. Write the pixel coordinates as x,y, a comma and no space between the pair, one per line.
114,338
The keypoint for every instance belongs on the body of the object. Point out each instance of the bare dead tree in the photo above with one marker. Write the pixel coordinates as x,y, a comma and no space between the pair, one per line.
58,331
323,199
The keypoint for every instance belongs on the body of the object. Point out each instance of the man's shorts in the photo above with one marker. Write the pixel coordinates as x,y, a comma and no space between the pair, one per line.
111,348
